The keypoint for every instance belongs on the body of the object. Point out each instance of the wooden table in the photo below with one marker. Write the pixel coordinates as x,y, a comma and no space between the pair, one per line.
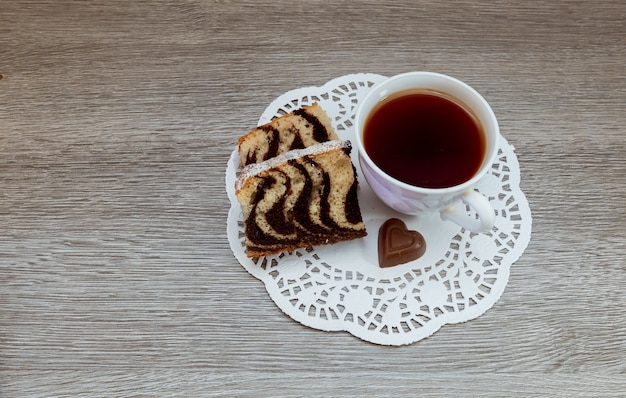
116,122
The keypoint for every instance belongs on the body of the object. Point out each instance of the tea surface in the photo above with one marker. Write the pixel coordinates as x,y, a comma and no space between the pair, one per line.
425,139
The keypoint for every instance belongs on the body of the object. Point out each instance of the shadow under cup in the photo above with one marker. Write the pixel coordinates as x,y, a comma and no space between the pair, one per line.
402,196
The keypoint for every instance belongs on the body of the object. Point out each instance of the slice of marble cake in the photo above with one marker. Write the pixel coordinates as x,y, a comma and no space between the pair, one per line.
301,198
301,128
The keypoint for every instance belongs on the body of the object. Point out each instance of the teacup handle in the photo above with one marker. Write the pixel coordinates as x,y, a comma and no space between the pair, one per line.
457,213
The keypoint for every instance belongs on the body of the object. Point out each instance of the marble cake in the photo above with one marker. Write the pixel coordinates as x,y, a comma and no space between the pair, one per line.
301,128
301,198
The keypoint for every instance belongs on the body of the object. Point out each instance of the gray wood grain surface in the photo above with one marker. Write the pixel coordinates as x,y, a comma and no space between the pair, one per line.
116,122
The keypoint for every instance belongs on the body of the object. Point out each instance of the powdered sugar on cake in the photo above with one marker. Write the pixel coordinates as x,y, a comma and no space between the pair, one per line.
256,168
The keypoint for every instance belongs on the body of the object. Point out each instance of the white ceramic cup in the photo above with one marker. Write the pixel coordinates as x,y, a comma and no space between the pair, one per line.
450,202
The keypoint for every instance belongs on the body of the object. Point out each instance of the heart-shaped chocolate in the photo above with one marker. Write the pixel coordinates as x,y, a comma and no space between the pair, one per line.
397,244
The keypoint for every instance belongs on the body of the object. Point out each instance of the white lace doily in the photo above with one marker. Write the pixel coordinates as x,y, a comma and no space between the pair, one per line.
341,286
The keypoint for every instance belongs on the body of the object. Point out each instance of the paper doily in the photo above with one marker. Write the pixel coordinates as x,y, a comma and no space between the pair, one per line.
341,287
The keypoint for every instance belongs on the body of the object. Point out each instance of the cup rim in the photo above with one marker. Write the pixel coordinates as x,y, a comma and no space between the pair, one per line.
487,162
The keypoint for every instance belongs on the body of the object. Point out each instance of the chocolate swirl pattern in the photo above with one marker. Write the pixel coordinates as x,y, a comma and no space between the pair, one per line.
302,198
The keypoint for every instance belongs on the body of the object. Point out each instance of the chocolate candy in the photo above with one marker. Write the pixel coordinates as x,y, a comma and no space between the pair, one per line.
397,244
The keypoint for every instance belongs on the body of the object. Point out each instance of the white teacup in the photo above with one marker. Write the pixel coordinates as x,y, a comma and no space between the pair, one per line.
451,201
